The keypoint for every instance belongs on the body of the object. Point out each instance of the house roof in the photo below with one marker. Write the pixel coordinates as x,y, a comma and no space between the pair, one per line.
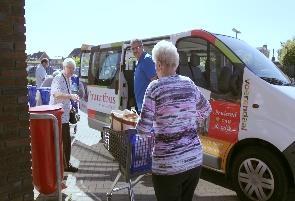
38,55
75,52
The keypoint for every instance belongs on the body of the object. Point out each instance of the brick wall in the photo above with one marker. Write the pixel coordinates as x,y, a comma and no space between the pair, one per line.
15,157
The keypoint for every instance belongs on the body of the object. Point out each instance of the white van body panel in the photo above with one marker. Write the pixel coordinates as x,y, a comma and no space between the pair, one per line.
102,99
205,92
123,91
273,120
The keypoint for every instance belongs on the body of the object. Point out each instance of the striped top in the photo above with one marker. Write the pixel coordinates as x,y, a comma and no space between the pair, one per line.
171,107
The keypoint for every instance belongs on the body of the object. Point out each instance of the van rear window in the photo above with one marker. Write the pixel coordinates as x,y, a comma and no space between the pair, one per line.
108,63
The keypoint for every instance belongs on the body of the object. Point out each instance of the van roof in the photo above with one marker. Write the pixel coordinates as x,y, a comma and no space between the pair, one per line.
197,32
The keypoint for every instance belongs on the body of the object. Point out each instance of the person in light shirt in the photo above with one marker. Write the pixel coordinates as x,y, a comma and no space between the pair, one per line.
41,72
172,106
61,95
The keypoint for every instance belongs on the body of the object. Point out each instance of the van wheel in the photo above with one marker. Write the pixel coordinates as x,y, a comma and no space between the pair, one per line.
258,175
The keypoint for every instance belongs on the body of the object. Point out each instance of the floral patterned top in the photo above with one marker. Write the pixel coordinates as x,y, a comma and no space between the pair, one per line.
59,85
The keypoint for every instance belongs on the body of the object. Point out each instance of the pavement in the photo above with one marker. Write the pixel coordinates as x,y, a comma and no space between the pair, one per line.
98,169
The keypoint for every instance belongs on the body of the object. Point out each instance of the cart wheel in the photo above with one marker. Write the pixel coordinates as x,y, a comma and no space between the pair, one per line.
109,197
130,194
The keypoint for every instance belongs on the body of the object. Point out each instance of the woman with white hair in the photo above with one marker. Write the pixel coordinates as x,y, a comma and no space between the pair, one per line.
61,95
172,106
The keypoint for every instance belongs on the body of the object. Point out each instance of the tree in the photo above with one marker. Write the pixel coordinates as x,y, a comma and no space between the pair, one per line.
287,53
77,60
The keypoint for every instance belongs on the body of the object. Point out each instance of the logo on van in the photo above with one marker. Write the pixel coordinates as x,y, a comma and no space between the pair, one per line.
102,97
245,104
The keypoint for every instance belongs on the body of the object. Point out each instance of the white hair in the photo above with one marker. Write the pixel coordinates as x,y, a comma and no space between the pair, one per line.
69,61
165,53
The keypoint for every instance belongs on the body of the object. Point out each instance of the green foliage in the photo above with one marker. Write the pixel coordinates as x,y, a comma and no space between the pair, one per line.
287,53
31,81
77,60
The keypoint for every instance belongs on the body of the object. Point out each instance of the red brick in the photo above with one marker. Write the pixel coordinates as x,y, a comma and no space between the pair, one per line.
6,63
17,19
14,55
15,108
6,46
13,36
6,82
7,28
19,46
5,8
4,197
8,99
22,99
14,73
7,117
12,89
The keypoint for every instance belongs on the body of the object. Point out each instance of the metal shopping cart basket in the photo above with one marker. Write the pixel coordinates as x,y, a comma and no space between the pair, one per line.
133,153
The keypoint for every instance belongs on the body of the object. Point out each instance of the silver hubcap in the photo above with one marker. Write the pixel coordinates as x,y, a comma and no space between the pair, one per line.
256,179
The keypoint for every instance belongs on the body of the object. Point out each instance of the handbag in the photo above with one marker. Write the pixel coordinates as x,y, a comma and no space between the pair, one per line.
74,116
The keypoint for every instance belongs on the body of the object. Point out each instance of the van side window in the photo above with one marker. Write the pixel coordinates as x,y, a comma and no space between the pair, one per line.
209,68
193,62
85,58
226,79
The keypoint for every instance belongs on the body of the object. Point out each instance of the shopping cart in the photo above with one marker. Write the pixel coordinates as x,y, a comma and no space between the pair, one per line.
133,153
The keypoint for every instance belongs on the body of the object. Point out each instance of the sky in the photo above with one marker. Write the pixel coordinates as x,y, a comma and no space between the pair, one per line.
59,26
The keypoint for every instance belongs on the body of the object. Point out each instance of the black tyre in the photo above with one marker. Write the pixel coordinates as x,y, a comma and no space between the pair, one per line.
258,175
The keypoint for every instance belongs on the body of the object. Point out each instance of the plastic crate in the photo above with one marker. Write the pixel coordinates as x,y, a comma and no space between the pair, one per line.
32,95
45,95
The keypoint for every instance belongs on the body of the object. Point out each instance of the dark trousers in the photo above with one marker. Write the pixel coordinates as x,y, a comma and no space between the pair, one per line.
179,187
66,142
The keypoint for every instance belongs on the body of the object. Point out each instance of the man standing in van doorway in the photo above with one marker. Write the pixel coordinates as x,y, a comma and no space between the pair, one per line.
145,71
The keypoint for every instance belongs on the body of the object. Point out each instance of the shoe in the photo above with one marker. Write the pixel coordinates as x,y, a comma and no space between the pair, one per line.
63,186
71,168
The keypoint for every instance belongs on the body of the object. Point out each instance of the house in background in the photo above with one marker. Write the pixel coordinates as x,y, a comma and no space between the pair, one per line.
56,62
33,60
75,53
264,50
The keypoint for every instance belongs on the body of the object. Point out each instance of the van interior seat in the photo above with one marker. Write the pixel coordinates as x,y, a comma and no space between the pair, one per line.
224,79
184,68
199,77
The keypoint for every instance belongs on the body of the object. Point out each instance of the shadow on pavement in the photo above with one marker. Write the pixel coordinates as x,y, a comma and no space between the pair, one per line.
216,178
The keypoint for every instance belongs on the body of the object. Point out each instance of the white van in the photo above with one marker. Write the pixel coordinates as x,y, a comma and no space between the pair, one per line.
250,134
83,75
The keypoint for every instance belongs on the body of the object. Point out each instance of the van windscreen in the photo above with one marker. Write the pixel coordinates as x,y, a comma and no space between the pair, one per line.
257,62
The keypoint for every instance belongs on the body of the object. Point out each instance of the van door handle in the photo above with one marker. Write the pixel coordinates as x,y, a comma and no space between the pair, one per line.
255,105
